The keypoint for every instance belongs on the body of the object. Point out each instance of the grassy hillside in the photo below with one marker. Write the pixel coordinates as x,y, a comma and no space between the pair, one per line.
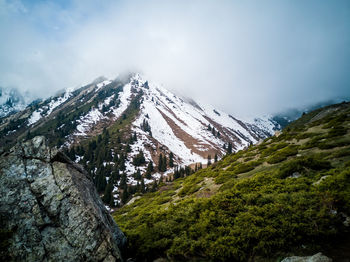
287,195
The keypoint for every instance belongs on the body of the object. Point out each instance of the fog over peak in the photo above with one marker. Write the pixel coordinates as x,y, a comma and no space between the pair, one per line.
247,58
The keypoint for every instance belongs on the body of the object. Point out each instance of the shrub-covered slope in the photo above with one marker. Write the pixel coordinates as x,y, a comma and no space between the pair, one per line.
287,195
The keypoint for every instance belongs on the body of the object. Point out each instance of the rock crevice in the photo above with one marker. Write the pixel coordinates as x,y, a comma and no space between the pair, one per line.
51,209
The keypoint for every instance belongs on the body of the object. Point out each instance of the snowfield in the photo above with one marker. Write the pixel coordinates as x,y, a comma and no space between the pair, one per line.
38,114
124,98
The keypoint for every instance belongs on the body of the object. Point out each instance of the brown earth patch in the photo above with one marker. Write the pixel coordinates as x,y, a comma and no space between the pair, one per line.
188,140
226,134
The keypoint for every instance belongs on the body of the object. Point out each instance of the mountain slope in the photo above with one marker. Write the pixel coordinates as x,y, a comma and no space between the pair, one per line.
288,195
119,129
12,101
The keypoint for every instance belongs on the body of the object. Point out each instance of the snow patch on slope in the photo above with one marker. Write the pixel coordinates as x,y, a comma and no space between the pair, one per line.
102,84
124,98
35,117
93,117
265,123
54,103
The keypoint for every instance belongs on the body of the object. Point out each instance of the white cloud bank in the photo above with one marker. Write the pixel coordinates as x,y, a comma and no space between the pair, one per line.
248,57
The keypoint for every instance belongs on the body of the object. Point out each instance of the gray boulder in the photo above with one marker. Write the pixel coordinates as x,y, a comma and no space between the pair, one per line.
319,257
50,210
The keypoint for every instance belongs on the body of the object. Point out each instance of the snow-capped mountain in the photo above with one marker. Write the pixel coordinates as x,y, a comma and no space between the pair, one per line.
190,130
133,119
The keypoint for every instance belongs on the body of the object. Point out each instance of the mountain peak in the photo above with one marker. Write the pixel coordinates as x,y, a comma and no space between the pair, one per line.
139,123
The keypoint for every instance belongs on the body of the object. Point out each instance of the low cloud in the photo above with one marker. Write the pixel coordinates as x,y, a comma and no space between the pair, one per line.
248,58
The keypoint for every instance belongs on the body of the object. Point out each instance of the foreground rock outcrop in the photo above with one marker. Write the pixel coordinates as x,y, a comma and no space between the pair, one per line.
50,210
319,257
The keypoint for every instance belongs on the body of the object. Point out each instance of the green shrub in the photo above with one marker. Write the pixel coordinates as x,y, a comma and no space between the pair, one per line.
306,135
257,216
190,185
341,153
274,147
248,159
282,154
337,131
338,186
332,143
336,121
301,164
224,176
246,167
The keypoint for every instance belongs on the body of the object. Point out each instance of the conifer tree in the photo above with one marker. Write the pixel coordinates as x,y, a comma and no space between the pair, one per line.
139,159
138,187
127,148
123,181
171,159
111,202
149,170
125,196
216,158
164,163
72,154
137,175
122,166
108,193
154,186
142,185
209,160
81,151
101,183
160,163
28,136
187,170
115,174
115,158
100,157
176,173
229,148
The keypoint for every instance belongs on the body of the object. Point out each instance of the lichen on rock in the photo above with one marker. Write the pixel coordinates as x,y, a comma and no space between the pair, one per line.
51,210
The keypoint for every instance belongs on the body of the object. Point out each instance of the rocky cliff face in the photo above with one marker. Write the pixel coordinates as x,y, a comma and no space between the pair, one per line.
50,210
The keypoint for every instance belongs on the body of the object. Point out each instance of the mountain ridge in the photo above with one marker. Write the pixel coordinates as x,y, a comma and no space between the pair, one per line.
133,117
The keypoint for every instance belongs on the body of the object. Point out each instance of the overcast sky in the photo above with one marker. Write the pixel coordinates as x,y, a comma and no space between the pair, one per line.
245,57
